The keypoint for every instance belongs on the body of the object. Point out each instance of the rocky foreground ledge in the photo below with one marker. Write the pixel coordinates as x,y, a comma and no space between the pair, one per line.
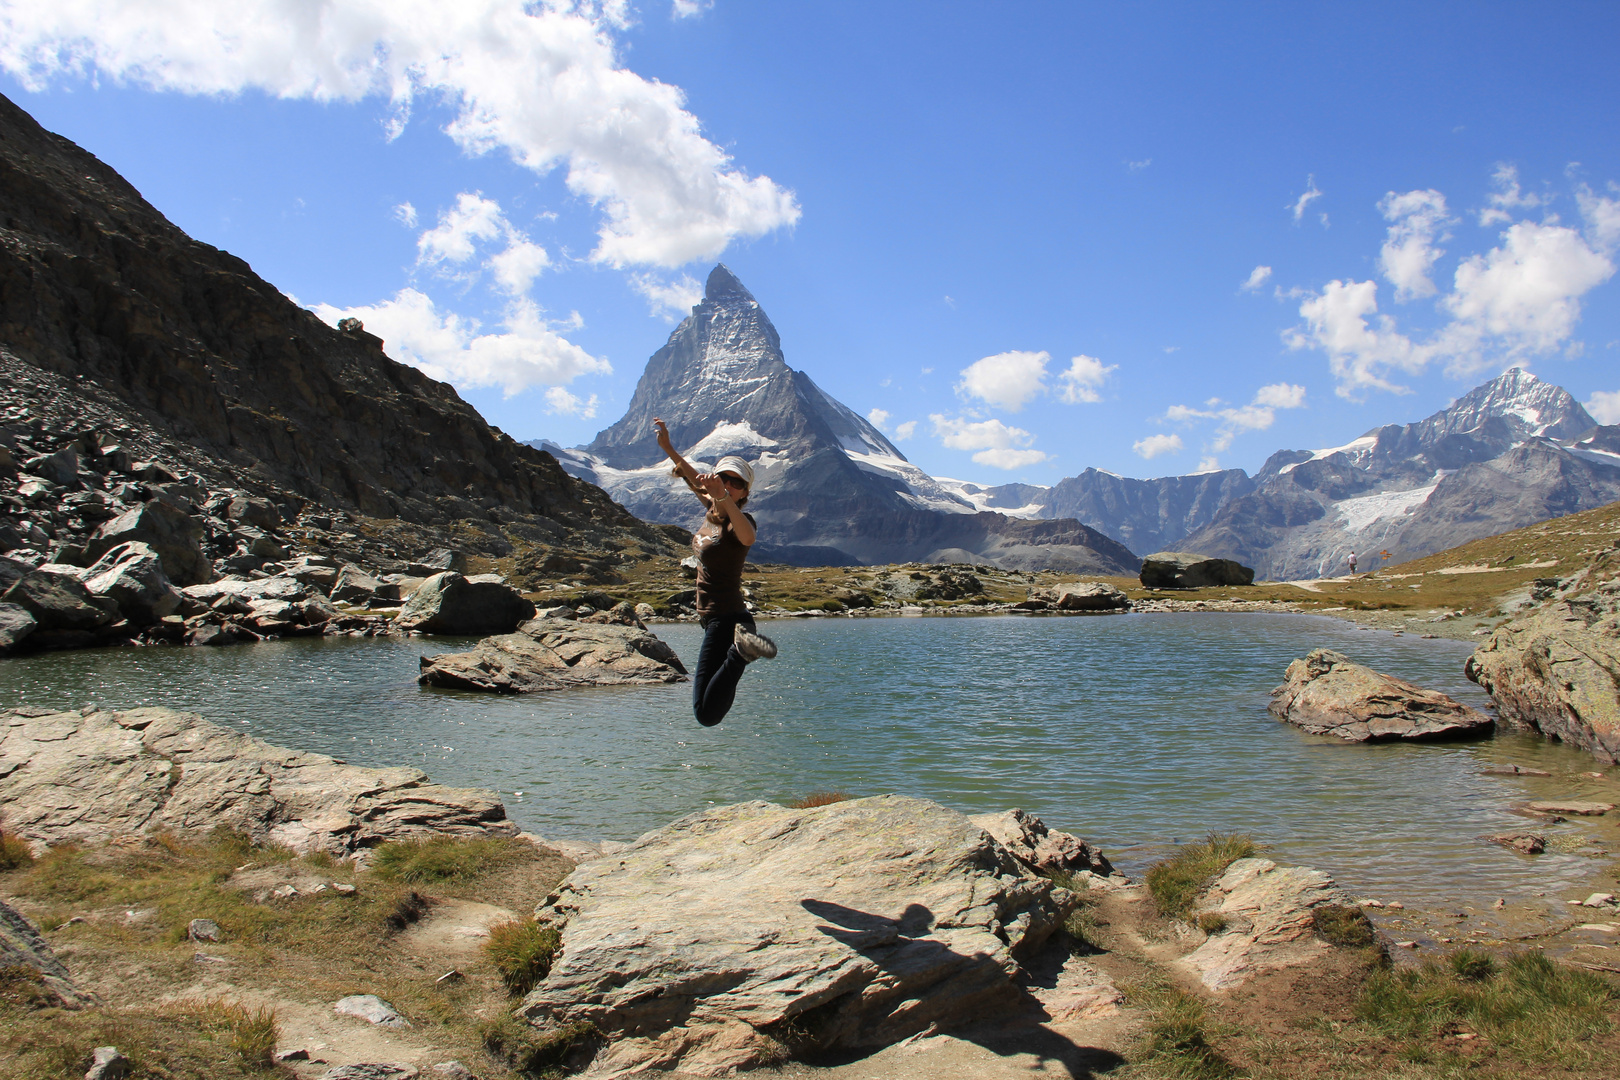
92,775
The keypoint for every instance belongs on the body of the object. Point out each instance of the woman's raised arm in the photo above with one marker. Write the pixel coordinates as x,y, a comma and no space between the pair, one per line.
683,468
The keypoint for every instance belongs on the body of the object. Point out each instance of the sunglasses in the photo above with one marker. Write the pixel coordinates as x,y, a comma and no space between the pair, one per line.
733,481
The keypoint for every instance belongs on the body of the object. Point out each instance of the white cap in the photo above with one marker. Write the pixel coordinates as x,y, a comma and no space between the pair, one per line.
736,465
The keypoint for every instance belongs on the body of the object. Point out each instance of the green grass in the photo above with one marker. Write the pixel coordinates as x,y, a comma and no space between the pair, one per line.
522,952
1176,882
1546,1013
14,852
443,858
533,1052
1177,1042
1343,926
1084,927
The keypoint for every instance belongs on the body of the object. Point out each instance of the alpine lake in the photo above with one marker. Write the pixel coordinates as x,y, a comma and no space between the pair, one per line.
1136,732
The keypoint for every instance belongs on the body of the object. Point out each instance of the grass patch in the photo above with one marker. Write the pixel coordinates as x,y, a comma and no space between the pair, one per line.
251,1033
819,798
1344,926
1083,925
14,852
536,1053
1178,1042
522,952
443,858
1212,922
1176,882
1545,1012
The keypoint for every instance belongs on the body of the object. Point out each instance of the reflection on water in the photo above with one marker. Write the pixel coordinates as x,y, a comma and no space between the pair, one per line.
1134,731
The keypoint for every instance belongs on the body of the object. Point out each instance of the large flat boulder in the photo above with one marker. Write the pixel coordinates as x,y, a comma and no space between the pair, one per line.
132,576
1556,671
557,654
1187,570
1265,916
705,945
175,535
1083,596
16,624
448,603
89,776
1325,693
57,601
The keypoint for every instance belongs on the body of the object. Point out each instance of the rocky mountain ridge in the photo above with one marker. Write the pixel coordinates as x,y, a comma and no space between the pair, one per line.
117,330
829,488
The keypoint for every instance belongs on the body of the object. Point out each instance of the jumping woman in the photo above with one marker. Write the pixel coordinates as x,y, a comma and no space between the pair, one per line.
730,642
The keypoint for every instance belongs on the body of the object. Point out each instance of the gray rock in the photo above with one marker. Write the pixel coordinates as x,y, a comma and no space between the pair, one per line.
1526,842
372,1070
16,624
60,468
1039,848
1326,694
1556,671
106,1063
454,1070
354,585
1185,570
1083,596
11,570
260,513
1267,911
22,946
57,602
212,635
859,923
439,560
132,576
447,603
203,930
557,654
372,1009
87,777
173,534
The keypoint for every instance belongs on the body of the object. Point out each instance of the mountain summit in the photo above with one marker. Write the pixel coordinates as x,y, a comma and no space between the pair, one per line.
829,488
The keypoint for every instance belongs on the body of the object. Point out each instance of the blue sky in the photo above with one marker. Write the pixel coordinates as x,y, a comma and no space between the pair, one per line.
1148,238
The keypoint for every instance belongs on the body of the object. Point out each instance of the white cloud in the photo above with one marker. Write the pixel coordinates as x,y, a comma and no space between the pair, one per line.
1080,382
449,347
690,9
1138,166
455,239
1409,253
1257,277
1208,463
1258,415
1157,446
904,431
540,81
1008,379
672,300
1009,459
1519,300
517,267
1507,197
1311,193
405,214
998,445
1605,406
559,400
877,418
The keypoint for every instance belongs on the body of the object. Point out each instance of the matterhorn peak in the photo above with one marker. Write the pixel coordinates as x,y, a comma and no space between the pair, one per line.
723,286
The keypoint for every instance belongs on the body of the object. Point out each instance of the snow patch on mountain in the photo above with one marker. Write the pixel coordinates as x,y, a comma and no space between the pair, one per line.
917,487
1356,449
739,438
1362,512
982,498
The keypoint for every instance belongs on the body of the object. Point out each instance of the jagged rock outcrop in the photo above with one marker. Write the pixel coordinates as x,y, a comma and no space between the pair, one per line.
1326,694
1040,848
89,776
1556,671
124,341
829,488
1186,570
22,946
1263,917
707,943
557,654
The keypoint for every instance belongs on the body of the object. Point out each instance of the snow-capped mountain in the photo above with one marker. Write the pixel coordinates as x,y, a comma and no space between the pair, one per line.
829,487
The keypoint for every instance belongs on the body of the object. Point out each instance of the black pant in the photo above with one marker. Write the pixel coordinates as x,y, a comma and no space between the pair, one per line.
719,666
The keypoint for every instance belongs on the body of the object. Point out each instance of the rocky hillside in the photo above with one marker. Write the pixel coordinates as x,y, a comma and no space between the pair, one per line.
829,488
119,330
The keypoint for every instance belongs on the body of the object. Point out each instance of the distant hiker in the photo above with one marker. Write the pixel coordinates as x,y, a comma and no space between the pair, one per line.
721,546
1352,561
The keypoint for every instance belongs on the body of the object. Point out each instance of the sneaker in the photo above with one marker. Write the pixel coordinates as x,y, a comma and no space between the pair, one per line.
753,646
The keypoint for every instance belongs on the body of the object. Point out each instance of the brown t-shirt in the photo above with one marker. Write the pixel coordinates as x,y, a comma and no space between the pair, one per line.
720,564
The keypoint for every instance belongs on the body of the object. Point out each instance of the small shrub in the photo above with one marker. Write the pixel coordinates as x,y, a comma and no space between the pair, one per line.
1176,882
252,1032
442,858
532,1052
1471,964
1344,926
522,952
1212,922
818,798
14,852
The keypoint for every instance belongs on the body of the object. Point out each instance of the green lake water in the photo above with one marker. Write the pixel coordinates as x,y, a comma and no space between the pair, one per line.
1134,731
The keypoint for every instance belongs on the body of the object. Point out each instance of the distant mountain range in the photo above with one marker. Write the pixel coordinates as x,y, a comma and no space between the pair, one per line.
831,489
